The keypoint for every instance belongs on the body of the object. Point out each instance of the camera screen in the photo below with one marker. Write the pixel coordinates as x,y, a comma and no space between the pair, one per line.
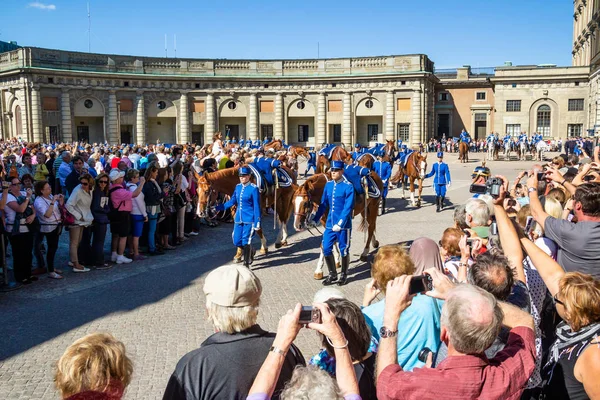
479,189
418,284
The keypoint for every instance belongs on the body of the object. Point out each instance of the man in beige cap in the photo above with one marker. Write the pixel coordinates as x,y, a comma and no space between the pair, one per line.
225,365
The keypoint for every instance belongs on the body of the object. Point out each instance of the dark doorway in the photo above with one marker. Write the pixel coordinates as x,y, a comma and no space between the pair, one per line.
443,125
198,135
480,128
302,133
53,134
232,131
83,134
126,134
335,132
266,131
373,132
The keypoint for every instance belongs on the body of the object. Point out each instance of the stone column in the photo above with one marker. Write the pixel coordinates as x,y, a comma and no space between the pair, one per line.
389,115
113,128
140,119
65,111
24,114
36,115
278,128
321,121
253,118
347,120
415,134
184,119
209,128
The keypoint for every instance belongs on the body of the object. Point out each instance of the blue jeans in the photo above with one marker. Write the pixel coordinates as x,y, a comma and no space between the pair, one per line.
152,219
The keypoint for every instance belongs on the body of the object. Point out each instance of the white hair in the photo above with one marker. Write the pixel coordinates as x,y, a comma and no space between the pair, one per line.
231,319
328,293
479,212
311,383
489,200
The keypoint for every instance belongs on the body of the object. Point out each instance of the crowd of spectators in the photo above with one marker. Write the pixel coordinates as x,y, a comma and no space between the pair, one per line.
513,312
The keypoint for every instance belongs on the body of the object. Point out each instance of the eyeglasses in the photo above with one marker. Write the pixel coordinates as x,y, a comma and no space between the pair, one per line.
103,182
84,183
15,184
557,301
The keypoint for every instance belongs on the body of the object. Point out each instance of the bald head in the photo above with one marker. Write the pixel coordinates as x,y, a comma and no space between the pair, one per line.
472,318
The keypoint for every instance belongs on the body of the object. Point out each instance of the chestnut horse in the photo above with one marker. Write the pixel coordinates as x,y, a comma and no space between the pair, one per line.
415,169
338,154
276,145
307,198
225,180
291,158
463,151
390,151
366,160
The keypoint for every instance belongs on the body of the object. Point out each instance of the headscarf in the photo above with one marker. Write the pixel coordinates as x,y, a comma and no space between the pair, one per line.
425,254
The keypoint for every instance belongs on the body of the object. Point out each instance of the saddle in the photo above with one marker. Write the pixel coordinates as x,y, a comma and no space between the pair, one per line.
404,158
327,151
372,188
283,179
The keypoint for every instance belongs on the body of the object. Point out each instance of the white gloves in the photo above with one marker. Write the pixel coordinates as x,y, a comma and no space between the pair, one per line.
336,228
257,226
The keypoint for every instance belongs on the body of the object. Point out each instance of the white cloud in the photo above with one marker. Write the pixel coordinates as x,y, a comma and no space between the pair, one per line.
42,6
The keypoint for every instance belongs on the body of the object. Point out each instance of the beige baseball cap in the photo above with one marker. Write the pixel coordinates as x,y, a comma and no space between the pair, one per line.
232,286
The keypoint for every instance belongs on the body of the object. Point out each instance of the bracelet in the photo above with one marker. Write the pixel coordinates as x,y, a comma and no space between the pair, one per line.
563,182
337,347
278,351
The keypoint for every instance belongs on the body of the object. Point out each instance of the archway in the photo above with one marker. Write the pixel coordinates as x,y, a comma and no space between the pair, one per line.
301,123
369,122
162,121
89,120
232,119
18,122
544,120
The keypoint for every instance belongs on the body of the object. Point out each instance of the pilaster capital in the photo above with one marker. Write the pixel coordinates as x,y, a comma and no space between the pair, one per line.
112,92
139,93
184,93
279,94
65,90
210,94
253,94
347,93
390,91
322,93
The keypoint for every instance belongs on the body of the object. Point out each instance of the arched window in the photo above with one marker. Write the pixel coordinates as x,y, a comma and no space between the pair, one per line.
543,119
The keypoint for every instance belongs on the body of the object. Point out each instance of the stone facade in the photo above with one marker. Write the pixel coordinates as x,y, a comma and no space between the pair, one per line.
52,95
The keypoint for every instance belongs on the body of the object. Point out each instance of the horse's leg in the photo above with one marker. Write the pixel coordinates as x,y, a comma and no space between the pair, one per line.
420,191
412,191
403,185
318,274
263,242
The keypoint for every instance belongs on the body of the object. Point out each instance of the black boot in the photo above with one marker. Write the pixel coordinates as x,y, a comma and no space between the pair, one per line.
332,277
382,205
343,276
248,256
437,203
442,198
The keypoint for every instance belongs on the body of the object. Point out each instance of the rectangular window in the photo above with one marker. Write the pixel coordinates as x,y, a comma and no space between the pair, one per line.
513,129
266,106
266,131
373,132
403,132
335,132
50,103
52,134
403,105
513,105
575,104
334,105
198,106
480,95
303,133
575,129
126,105
480,117
444,96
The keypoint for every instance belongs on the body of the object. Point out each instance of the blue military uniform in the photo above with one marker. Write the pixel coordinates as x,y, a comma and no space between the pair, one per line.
242,143
354,173
338,197
358,151
311,162
266,141
256,144
265,167
441,179
384,170
465,137
246,198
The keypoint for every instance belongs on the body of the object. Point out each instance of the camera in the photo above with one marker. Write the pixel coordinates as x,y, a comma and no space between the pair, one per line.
423,354
420,284
492,187
310,314
529,225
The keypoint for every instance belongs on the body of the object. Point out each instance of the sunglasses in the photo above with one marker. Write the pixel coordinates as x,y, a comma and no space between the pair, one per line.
557,301
103,182
84,183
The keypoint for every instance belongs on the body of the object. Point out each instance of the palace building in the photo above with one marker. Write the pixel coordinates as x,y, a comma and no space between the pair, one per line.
52,95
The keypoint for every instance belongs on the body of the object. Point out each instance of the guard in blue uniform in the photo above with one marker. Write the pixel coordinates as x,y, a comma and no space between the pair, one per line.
440,181
465,137
311,162
246,198
338,197
384,170
354,174
266,141
265,166
242,143
357,152
256,144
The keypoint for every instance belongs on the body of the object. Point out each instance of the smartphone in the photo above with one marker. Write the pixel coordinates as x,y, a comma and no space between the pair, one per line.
470,240
540,176
529,225
310,314
420,284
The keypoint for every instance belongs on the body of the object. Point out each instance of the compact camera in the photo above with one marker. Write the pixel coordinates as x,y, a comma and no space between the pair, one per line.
310,314
492,187
420,284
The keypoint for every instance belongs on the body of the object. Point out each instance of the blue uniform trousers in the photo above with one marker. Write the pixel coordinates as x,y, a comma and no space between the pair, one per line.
242,234
440,190
342,238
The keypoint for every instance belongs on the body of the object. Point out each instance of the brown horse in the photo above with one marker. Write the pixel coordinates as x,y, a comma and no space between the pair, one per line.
338,154
225,180
463,151
390,149
366,160
308,197
276,145
416,167
290,158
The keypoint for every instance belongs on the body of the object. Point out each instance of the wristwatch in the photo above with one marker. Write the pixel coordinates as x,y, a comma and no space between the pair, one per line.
532,190
386,333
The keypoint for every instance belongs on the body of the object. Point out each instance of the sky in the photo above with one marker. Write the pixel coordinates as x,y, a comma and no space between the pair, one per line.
480,33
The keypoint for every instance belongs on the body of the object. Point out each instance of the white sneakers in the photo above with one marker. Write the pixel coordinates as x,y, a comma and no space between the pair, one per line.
123,260
113,256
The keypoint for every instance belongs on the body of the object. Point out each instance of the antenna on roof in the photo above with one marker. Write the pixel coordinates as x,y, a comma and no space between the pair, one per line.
175,44
318,50
166,54
89,29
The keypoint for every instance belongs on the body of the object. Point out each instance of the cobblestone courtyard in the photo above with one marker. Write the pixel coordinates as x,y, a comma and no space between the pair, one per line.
156,307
